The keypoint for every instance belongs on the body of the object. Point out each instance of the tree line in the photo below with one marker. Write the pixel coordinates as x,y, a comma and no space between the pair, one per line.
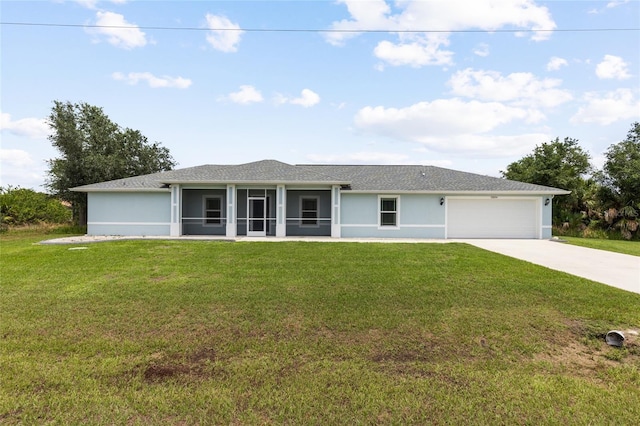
603,202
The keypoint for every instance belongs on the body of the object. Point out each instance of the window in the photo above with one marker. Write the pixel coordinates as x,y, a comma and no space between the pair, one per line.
388,211
309,211
213,211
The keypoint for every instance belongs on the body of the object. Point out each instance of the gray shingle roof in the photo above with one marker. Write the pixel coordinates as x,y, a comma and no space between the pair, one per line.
265,171
399,178
259,171
424,179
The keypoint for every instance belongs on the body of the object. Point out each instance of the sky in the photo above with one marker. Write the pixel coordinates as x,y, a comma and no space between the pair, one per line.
466,85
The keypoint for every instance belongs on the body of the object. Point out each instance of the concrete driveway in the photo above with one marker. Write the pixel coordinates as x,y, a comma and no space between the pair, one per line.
614,269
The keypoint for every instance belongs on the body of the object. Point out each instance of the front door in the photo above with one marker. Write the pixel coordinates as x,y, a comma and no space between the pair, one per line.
257,220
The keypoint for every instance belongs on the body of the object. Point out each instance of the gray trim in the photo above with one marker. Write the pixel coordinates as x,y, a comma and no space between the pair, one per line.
485,193
81,189
254,182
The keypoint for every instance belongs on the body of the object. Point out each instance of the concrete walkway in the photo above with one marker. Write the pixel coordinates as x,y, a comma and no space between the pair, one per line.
614,269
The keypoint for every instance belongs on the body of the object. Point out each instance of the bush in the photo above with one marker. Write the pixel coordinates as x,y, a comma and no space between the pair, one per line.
21,206
596,232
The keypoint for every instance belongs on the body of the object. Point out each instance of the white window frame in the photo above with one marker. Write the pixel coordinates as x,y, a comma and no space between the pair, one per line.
381,212
317,212
205,219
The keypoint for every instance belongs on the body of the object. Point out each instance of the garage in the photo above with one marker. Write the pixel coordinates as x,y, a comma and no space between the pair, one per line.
493,217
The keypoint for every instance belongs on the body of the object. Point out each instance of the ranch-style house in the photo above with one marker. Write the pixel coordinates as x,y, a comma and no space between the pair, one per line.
270,198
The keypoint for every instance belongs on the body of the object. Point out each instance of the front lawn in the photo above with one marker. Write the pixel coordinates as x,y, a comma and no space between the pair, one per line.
618,246
189,332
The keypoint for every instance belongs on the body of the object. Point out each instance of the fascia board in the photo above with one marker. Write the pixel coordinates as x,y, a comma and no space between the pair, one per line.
120,190
253,182
445,192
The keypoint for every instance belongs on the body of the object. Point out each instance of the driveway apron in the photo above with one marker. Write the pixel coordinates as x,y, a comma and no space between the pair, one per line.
614,269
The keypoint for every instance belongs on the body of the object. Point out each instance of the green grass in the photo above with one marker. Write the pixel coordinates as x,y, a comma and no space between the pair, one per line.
138,332
618,246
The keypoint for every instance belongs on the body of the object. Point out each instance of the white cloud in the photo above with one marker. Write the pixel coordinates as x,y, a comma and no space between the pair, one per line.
610,5
612,67
415,50
370,15
111,26
34,128
15,158
452,126
599,160
452,15
437,163
438,117
521,89
308,98
89,4
608,108
555,63
374,157
154,82
487,146
92,4
616,3
482,50
224,35
18,169
364,157
246,95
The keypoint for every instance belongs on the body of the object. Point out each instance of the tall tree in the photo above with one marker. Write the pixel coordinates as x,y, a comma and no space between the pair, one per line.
95,149
621,172
561,164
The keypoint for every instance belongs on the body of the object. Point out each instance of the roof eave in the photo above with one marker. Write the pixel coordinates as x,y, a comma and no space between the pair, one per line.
253,182
449,192
124,189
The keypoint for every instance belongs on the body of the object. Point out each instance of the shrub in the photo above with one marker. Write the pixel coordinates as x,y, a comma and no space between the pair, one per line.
22,206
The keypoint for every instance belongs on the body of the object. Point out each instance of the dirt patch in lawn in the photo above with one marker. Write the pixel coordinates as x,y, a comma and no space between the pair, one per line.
198,364
159,373
583,350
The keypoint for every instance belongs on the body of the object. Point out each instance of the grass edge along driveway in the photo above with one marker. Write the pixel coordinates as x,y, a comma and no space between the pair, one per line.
306,333
618,246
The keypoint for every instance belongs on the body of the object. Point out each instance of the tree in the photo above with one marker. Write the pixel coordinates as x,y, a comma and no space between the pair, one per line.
619,192
621,172
560,164
94,149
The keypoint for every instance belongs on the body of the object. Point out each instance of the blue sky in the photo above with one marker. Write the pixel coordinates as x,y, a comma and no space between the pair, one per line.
478,92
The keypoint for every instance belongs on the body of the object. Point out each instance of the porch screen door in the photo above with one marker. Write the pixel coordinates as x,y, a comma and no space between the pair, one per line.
257,217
